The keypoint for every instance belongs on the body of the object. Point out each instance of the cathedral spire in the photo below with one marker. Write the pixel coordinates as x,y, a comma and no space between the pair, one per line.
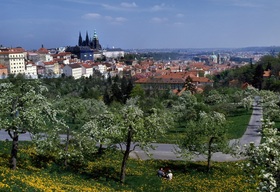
80,43
95,35
87,40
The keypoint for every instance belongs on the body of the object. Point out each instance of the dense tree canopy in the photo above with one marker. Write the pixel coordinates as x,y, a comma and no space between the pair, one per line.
23,109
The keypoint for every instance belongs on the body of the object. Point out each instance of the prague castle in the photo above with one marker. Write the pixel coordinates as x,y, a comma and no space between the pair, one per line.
92,43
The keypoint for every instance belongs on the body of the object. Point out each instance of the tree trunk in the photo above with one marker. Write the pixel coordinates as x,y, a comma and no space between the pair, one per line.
209,155
126,155
100,150
67,146
14,151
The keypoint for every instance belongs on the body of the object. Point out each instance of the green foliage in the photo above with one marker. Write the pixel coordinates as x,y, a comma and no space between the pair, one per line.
265,158
138,91
117,90
270,103
185,107
136,127
253,74
24,109
206,136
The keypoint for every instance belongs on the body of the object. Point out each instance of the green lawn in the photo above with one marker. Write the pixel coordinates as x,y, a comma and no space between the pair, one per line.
238,123
101,173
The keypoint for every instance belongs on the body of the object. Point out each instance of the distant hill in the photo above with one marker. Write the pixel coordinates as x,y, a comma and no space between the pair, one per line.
205,50
259,49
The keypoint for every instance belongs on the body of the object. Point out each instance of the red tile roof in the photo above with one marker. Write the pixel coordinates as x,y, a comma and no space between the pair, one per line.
3,66
75,65
43,50
85,65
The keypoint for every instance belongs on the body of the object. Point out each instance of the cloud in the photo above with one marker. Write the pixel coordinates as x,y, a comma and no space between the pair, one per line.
124,6
178,24
92,16
158,7
128,5
248,4
120,19
158,20
180,15
82,2
241,3
115,20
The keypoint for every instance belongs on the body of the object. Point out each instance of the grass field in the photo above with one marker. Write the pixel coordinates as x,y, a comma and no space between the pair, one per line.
237,125
102,174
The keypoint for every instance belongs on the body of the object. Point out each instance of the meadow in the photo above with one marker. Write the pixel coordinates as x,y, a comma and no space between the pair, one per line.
101,173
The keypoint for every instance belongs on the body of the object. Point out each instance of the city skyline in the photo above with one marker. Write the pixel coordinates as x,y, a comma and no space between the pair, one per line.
141,24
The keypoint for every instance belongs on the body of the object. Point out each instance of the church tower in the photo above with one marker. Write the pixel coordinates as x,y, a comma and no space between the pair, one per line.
95,42
80,43
87,40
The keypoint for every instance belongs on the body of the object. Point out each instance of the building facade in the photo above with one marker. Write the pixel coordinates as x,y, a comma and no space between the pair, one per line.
14,61
74,70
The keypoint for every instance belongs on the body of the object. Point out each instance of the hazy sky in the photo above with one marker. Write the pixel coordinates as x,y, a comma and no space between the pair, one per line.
141,23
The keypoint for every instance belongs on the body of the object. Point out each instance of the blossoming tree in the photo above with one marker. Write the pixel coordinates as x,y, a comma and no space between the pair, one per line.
266,158
206,136
23,109
139,129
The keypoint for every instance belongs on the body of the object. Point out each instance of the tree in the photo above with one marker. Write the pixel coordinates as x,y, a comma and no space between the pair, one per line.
214,98
72,109
101,129
270,104
23,109
189,85
258,77
206,136
185,107
137,91
76,144
265,158
139,129
126,88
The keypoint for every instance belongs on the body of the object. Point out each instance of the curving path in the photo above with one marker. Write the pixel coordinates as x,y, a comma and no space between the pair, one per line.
168,151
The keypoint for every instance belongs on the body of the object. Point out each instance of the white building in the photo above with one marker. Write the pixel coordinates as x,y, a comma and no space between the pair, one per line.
14,61
113,53
87,70
31,70
102,68
74,70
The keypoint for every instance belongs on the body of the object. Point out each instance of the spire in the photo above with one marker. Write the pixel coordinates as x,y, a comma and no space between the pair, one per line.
95,35
80,43
87,40
95,42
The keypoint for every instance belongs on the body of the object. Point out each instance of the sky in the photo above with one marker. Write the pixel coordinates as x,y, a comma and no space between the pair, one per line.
140,24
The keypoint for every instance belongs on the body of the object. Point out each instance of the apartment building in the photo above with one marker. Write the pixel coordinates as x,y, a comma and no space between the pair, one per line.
74,70
13,60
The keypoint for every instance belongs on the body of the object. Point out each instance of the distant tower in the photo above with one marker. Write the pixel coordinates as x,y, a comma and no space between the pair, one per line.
87,40
80,43
95,42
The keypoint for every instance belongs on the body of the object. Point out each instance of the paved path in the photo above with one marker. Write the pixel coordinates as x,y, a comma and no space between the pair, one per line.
167,151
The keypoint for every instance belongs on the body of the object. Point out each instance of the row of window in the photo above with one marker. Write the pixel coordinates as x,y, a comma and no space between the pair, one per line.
17,63
16,60
21,56
17,67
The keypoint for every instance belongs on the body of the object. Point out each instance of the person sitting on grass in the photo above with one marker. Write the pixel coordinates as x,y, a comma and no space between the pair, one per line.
160,173
169,176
